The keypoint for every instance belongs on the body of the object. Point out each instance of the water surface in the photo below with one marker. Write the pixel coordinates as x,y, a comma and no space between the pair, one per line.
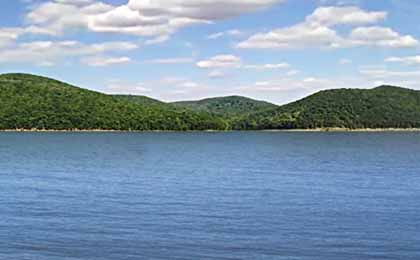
254,195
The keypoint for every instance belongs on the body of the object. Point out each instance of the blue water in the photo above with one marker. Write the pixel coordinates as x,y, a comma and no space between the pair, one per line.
250,195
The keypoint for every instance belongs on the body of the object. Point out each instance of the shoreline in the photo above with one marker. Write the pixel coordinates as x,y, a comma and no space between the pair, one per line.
348,130
315,130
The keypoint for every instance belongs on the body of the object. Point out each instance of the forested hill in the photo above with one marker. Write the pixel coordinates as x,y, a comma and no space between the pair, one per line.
381,107
33,102
227,107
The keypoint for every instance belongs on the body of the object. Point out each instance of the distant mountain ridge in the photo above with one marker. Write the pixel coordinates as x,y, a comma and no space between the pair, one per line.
34,102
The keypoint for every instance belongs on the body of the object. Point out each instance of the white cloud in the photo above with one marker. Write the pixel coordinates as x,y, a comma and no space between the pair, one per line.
48,52
409,60
350,15
318,31
125,20
166,88
102,61
288,89
229,61
9,36
158,19
298,36
344,61
109,47
215,36
210,10
385,75
381,37
280,89
121,87
179,60
157,40
268,66
189,84
56,17
218,35
292,72
340,2
220,61
221,66
75,2
215,74
380,76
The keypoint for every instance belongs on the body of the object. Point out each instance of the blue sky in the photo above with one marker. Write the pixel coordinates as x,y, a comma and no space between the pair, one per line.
276,50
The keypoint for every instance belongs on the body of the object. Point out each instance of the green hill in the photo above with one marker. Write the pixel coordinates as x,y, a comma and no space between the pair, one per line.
33,102
382,107
29,102
227,107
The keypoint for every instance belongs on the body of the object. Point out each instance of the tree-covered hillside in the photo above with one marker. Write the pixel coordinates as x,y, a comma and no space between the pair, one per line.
382,107
29,102
33,102
227,107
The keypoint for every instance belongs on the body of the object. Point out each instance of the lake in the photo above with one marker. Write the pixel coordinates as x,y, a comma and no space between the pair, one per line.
239,195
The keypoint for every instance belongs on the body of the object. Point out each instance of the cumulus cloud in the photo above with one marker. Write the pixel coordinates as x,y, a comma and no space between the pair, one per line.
409,60
48,52
158,19
292,72
268,66
220,61
218,35
215,74
229,61
381,37
102,61
319,31
179,60
199,9
298,36
222,66
330,16
56,17
9,36
118,86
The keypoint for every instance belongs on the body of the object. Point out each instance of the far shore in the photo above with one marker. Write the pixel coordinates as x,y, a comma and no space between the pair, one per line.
214,131
348,130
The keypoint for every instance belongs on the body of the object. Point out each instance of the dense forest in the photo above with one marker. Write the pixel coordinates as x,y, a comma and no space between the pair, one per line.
227,107
381,107
34,102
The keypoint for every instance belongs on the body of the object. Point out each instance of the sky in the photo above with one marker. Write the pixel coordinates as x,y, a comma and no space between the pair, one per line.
273,50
